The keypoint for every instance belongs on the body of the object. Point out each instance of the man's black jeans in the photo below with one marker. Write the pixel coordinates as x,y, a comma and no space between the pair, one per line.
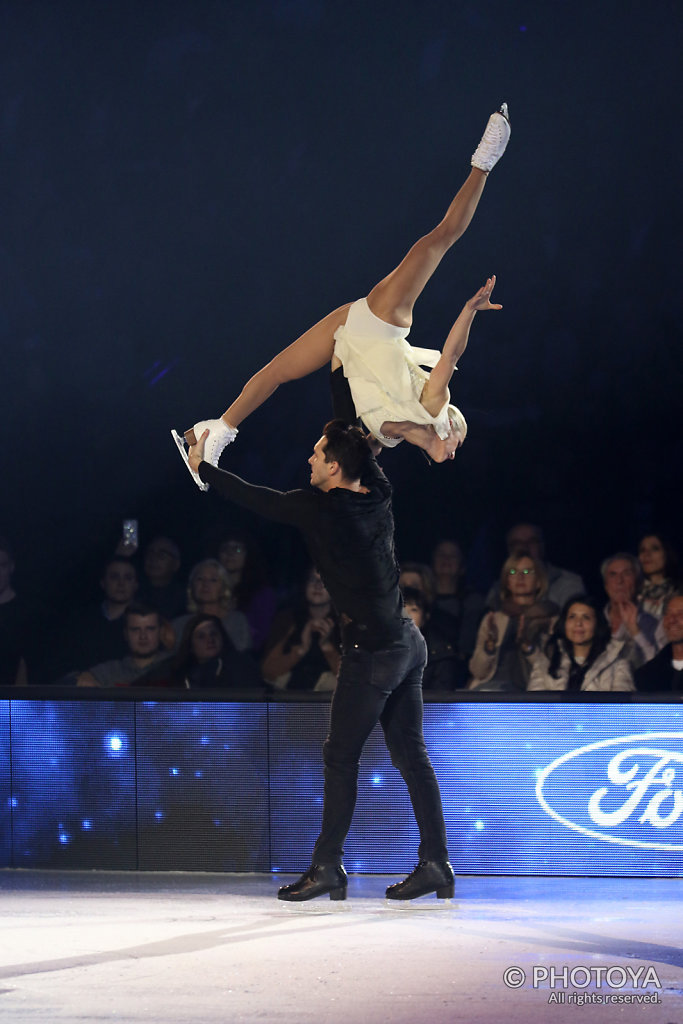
384,686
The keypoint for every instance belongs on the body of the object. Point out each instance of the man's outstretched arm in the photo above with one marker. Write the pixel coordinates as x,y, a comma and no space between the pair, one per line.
281,506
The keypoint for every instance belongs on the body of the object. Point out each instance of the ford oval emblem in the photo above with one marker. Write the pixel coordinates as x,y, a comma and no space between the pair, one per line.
620,790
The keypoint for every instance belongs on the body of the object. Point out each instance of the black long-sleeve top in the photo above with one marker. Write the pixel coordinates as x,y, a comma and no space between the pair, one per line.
350,538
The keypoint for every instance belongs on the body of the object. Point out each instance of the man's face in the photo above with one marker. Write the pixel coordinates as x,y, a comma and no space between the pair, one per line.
320,470
6,570
447,560
525,536
673,620
161,561
620,581
119,583
142,635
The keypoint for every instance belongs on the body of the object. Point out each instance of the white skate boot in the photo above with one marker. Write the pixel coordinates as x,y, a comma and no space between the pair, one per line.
493,141
220,436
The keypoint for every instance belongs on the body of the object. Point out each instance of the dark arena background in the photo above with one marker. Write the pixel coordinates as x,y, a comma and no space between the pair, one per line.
188,186
185,187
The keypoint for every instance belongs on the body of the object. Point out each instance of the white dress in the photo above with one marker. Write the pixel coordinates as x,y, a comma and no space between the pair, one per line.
386,377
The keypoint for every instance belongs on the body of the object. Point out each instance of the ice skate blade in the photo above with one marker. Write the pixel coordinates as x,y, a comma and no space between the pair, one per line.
183,452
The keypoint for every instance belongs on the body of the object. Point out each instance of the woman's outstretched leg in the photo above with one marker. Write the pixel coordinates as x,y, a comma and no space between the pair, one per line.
311,351
392,300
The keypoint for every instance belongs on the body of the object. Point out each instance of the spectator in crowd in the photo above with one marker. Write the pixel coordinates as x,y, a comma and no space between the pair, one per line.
303,649
460,607
562,584
206,659
444,670
208,591
160,587
142,633
660,573
245,564
580,654
420,577
507,637
13,623
621,578
96,633
665,670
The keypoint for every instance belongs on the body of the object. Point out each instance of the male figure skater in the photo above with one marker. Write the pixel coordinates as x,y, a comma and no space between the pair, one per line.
347,524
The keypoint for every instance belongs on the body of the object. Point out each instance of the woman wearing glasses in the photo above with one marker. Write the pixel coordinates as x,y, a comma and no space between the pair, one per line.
507,638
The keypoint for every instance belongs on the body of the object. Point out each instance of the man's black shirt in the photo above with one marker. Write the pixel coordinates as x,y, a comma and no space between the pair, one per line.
350,538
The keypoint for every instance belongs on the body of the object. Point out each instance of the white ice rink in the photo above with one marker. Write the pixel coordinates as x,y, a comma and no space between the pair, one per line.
197,948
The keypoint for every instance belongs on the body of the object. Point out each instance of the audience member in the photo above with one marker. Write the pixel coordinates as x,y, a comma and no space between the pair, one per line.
562,584
13,624
245,564
507,637
96,633
206,659
621,576
302,651
160,587
444,670
659,566
420,577
142,633
208,592
460,607
665,670
580,654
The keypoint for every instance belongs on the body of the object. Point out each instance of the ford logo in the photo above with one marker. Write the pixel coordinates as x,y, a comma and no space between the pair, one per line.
619,790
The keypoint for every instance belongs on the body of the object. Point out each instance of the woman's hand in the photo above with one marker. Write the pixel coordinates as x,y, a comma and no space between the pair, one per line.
491,641
482,300
323,627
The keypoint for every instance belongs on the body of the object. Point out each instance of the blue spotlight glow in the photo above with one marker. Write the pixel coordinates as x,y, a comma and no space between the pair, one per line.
116,744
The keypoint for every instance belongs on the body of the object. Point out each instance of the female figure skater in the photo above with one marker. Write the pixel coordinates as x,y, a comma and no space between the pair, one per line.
396,399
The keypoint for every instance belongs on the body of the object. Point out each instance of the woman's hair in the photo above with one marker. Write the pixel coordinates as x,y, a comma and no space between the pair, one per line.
254,574
672,569
411,595
558,643
185,658
427,578
300,613
192,605
540,575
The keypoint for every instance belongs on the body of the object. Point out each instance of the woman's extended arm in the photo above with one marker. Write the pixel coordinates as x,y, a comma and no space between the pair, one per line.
435,392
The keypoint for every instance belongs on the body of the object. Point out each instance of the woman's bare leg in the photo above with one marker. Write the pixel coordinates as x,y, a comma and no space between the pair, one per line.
311,351
393,298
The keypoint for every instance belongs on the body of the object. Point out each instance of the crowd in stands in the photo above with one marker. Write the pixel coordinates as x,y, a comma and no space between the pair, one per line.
223,624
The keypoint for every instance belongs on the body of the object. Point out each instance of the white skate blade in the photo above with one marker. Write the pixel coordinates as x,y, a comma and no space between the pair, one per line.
180,442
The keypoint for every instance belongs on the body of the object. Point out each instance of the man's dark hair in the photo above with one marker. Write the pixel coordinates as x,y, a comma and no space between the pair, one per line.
119,560
347,446
137,608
